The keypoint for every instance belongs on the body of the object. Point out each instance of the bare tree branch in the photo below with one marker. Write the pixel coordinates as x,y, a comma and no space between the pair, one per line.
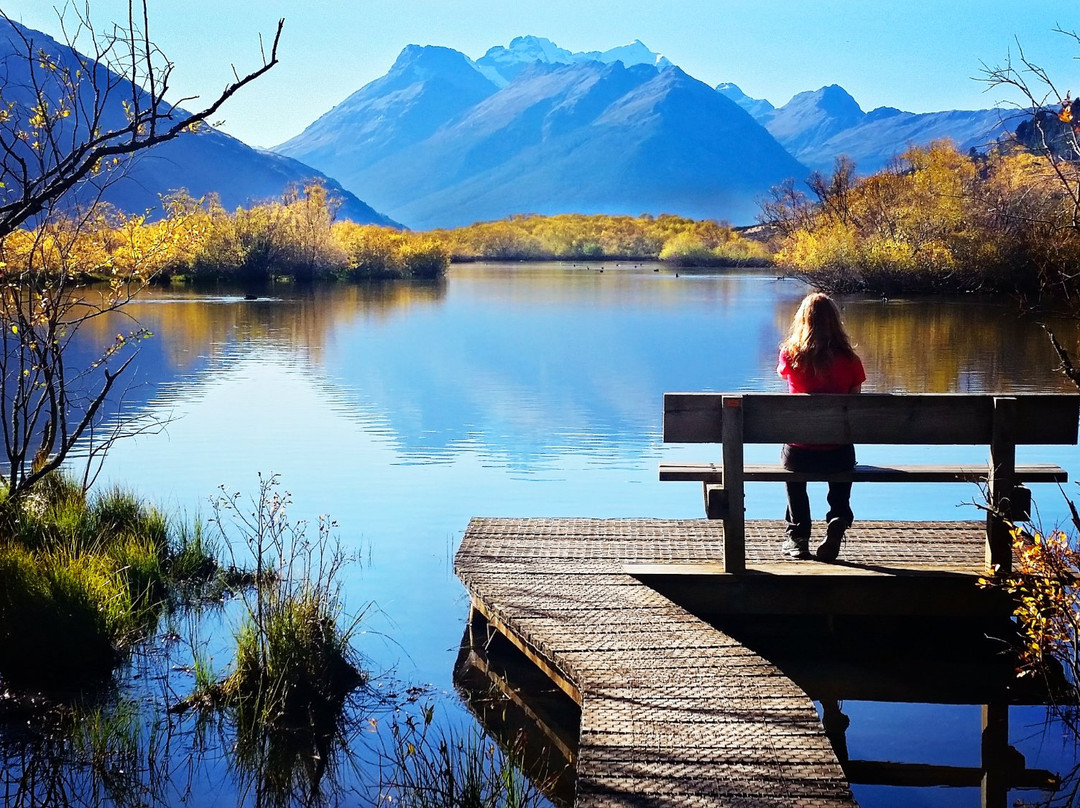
67,121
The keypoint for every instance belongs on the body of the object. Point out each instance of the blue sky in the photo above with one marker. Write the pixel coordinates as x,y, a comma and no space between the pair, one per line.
918,55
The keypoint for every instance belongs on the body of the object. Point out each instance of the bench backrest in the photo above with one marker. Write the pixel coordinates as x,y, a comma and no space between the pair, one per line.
885,418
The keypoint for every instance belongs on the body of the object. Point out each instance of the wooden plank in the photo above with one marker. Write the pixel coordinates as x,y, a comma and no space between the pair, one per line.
693,418
537,657
692,472
886,418
924,775
670,705
935,473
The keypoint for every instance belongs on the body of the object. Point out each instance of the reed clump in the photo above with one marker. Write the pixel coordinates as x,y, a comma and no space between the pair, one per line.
294,666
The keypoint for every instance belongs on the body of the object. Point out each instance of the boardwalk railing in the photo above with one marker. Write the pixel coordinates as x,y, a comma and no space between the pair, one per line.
999,422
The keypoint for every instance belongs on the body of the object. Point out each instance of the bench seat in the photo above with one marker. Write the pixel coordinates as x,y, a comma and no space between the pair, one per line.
999,422
938,473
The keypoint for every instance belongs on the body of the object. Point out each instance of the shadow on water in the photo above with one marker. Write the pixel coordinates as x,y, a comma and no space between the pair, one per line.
903,661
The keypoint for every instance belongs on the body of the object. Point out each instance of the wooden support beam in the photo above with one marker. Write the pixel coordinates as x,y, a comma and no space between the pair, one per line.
735,518
536,657
922,775
1001,482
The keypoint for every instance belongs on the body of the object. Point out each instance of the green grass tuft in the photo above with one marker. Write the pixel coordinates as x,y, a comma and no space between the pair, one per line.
82,579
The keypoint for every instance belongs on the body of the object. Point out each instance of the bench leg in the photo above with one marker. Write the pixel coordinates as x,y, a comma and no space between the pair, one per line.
716,501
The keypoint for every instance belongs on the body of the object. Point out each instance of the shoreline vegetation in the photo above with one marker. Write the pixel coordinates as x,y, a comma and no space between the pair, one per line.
92,593
298,239
84,579
935,221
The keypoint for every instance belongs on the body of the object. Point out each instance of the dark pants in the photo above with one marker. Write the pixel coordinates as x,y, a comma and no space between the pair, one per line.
800,458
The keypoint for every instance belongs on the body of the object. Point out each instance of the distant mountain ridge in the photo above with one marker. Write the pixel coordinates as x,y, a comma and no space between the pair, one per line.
443,140
819,125
502,64
203,163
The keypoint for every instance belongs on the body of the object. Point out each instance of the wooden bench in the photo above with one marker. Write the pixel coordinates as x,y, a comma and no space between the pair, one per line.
996,421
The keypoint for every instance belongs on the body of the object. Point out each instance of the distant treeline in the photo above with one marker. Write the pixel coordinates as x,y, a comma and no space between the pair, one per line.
579,237
298,238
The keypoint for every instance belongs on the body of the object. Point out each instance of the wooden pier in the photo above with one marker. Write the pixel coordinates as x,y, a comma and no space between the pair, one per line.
673,711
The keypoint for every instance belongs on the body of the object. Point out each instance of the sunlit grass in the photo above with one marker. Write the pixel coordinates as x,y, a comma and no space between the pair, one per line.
81,580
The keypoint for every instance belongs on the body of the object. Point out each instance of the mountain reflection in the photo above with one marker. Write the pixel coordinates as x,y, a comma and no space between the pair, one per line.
527,361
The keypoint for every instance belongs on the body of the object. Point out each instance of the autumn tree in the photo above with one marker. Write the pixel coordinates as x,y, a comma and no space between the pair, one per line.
71,116
1049,119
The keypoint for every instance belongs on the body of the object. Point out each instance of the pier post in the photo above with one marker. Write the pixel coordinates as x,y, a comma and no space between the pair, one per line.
996,773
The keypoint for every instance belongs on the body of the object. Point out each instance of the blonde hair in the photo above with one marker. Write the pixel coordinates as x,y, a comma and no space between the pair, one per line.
817,335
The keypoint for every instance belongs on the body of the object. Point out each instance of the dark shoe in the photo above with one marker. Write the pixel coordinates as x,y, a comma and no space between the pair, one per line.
796,548
829,549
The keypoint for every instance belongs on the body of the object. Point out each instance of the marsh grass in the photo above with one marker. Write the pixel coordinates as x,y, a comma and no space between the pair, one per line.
81,580
294,667
81,752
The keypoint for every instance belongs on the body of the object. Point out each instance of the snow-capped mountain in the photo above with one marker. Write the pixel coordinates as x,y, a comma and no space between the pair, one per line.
443,140
758,107
434,143
501,64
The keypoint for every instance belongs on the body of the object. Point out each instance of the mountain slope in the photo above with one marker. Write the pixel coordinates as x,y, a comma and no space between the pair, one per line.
817,127
425,88
588,136
885,133
812,118
203,163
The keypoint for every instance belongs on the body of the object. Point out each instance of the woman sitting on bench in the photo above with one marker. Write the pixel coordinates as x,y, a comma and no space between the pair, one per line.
817,357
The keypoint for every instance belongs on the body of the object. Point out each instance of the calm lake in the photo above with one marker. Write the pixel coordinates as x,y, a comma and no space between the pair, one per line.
402,410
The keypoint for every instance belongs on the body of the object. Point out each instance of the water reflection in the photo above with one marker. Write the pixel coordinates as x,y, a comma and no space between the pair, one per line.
124,748
521,390
527,362
520,707
951,346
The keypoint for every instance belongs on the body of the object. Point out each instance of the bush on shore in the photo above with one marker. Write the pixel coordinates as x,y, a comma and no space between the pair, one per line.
937,220
295,238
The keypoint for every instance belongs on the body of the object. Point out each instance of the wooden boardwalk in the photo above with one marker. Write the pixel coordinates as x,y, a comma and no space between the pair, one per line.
673,711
